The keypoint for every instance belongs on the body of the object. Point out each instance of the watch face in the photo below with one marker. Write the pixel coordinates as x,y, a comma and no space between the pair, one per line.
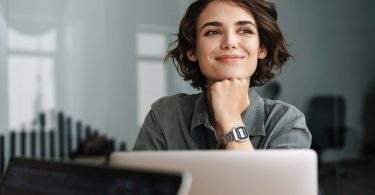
241,133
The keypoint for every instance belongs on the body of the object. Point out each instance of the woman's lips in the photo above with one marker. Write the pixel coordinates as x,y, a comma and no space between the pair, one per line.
229,58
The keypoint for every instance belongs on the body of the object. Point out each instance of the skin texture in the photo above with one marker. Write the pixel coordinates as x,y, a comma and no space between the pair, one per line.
227,50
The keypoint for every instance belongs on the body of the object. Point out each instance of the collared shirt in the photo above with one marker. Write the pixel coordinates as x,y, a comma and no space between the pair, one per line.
181,122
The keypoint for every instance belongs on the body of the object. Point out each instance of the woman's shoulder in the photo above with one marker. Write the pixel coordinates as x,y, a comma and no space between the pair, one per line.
279,108
176,100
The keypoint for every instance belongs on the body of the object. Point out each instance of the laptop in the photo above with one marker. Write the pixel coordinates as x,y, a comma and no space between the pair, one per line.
26,176
263,172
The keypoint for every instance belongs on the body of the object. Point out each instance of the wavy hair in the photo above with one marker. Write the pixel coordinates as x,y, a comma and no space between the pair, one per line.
270,36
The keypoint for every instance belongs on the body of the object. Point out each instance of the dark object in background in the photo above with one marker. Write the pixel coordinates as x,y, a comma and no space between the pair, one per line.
69,135
78,132
61,132
33,143
12,151
2,154
52,144
23,142
42,122
368,117
97,145
123,146
326,121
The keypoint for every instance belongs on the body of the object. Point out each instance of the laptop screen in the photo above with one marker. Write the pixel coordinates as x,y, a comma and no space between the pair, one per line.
26,176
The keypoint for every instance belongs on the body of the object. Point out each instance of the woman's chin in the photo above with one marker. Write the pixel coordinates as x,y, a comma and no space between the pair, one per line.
233,76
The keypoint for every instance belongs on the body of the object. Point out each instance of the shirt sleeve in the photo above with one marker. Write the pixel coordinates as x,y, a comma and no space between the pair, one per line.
292,132
150,136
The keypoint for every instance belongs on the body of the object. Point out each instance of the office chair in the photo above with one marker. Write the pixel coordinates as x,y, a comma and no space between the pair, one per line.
326,121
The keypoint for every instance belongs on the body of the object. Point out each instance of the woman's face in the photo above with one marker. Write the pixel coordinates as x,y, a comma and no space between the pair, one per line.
227,43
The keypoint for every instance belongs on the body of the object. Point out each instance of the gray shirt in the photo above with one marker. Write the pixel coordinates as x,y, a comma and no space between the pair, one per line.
181,122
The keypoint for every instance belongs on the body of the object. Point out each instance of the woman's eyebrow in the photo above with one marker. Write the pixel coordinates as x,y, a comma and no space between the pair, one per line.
239,23
211,24
245,22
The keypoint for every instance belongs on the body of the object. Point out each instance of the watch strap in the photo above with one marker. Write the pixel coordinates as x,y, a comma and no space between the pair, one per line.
238,133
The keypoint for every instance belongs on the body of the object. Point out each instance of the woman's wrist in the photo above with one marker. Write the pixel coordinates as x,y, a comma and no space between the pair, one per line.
246,145
227,128
227,125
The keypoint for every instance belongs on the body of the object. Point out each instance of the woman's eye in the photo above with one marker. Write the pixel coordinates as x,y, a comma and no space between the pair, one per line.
246,31
211,32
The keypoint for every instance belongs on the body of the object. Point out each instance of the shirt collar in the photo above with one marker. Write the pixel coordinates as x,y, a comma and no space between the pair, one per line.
200,114
253,116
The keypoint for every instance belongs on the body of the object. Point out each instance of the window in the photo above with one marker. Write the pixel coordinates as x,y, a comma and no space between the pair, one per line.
151,73
31,70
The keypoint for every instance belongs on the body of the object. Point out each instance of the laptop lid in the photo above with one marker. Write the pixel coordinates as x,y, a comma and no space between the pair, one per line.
266,172
26,176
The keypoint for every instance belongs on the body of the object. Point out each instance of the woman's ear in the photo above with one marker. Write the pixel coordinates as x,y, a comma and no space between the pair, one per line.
262,53
192,56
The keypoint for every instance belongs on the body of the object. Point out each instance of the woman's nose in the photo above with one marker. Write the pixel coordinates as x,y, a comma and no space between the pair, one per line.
229,42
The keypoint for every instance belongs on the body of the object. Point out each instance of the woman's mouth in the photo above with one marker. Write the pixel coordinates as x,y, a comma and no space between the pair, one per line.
229,58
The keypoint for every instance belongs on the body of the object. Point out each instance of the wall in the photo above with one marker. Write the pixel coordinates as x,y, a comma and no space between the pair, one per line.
3,69
100,60
332,42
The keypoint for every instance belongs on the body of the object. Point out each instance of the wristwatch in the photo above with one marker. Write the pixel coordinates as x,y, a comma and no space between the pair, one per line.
238,133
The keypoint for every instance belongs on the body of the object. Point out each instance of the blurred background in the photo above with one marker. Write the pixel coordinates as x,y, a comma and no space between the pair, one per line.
100,62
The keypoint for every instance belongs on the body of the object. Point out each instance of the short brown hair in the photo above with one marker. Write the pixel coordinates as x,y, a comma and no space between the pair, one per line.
270,36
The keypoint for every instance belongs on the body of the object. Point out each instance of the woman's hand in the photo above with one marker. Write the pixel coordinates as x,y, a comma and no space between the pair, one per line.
229,98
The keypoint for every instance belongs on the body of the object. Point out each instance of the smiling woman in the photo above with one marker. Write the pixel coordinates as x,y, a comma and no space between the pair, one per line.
227,43
225,47
262,24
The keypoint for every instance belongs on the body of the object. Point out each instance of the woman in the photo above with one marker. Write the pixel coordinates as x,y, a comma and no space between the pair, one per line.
225,47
